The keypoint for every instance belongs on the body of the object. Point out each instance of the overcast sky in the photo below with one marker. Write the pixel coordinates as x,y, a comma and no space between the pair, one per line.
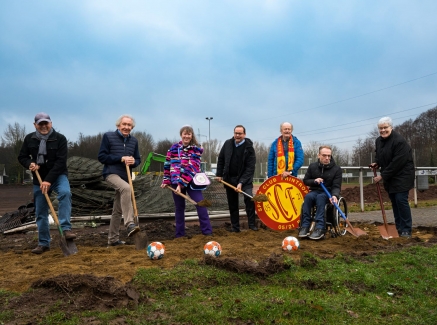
332,68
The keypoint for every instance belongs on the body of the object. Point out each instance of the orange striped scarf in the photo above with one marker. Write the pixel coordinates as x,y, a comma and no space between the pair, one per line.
281,156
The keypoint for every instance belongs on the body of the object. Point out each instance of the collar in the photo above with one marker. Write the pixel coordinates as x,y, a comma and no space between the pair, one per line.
239,144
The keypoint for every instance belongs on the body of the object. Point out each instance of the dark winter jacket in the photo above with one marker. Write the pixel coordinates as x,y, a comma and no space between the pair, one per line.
273,155
113,147
55,160
330,173
247,164
394,157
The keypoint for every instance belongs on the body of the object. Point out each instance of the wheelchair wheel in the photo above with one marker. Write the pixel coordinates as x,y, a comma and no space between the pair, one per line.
339,224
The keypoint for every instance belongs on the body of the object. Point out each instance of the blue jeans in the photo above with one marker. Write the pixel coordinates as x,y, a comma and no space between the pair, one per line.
318,199
401,212
62,187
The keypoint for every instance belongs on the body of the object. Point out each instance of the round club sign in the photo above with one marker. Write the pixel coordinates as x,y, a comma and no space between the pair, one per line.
285,198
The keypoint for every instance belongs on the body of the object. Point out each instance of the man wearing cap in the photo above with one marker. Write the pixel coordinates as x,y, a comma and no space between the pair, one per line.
118,149
46,150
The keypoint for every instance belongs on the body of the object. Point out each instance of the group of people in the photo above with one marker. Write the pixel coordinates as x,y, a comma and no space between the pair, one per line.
45,151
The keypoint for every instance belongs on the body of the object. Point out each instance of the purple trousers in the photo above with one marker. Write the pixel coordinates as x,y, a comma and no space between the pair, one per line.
202,212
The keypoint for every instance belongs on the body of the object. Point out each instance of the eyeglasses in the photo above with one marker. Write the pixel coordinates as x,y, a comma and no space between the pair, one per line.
238,133
384,128
326,156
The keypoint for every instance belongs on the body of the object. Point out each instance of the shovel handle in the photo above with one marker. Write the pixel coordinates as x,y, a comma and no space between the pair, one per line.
378,187
236,189
134,202
181,194
49,202
335,204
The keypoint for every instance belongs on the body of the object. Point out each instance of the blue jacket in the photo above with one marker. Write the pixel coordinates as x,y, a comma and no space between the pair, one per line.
113,147
273,155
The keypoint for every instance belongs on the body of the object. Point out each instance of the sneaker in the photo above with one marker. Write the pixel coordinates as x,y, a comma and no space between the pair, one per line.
132,229
318,234
304,232
405,235
117,243
69,234
40,249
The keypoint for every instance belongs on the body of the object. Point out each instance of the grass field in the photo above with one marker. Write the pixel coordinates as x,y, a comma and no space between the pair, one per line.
387,288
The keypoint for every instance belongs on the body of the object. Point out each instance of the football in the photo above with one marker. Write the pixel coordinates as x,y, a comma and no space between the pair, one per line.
290,243
156,250
212,248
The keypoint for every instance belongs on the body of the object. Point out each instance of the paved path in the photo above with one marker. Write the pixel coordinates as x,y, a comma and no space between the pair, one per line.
421,216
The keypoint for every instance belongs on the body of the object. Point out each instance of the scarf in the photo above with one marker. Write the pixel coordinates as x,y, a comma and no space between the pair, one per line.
42,151
281,156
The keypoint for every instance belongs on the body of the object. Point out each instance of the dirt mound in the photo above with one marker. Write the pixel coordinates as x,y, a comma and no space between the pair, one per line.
370,194
72,294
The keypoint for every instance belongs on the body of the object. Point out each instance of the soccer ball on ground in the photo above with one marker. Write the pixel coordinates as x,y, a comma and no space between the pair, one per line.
156,250
212,248
290,243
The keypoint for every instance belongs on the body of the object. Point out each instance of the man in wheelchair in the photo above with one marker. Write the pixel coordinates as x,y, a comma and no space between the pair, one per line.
324,170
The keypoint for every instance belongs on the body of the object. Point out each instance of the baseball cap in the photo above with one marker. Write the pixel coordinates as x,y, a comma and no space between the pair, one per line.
41,117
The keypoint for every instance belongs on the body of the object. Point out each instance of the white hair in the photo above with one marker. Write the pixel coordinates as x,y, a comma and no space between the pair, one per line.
385,120
117,123
280,127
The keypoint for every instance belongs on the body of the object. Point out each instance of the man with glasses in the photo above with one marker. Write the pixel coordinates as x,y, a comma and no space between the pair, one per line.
236,165
322,171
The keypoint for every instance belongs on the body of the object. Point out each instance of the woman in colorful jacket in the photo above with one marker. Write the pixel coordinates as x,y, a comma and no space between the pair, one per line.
182,163
285,157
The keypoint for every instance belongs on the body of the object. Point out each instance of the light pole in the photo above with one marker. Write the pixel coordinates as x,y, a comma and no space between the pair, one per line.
209,139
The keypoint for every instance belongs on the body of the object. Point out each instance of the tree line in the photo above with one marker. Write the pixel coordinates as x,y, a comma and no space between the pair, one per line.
420,134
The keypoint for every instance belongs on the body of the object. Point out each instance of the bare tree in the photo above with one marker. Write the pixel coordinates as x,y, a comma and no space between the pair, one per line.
86,146
12,140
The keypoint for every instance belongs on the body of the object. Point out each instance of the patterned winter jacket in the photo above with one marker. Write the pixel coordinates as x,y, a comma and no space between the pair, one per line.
182,163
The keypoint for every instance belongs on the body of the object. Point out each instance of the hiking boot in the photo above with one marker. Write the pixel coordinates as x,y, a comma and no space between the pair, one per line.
40,249
117,243
318,234
304,232
69,234
132,229
405,235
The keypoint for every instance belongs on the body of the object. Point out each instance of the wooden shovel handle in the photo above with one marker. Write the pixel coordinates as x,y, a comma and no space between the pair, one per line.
182,194
49,202
236,189
134,202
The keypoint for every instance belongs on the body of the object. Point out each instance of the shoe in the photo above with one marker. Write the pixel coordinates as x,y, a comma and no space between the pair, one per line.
40,249
304,232
210,234
254,228
69,234
318,234
117,243
405,235
132,229
235,230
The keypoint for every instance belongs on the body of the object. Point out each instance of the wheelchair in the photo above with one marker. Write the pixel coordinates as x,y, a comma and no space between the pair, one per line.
335,224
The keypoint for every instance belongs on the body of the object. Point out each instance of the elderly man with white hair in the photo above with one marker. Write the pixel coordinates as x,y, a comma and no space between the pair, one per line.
286,154
394,157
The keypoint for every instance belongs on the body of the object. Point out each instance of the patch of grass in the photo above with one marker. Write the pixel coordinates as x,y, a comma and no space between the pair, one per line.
387,288
355,207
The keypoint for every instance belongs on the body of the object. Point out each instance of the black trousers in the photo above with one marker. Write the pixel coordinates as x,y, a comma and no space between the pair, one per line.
233,203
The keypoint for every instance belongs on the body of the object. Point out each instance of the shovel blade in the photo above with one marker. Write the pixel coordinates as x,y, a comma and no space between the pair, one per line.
141,241
67,250
388,231
357,232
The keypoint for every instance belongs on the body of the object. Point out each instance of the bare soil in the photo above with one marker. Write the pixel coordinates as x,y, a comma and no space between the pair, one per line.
100,277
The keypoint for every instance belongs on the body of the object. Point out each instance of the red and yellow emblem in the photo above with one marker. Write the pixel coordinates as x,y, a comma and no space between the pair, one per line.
285,198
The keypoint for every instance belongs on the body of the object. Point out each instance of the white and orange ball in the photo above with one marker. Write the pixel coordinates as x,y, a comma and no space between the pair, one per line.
156,250
212,248
290,243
